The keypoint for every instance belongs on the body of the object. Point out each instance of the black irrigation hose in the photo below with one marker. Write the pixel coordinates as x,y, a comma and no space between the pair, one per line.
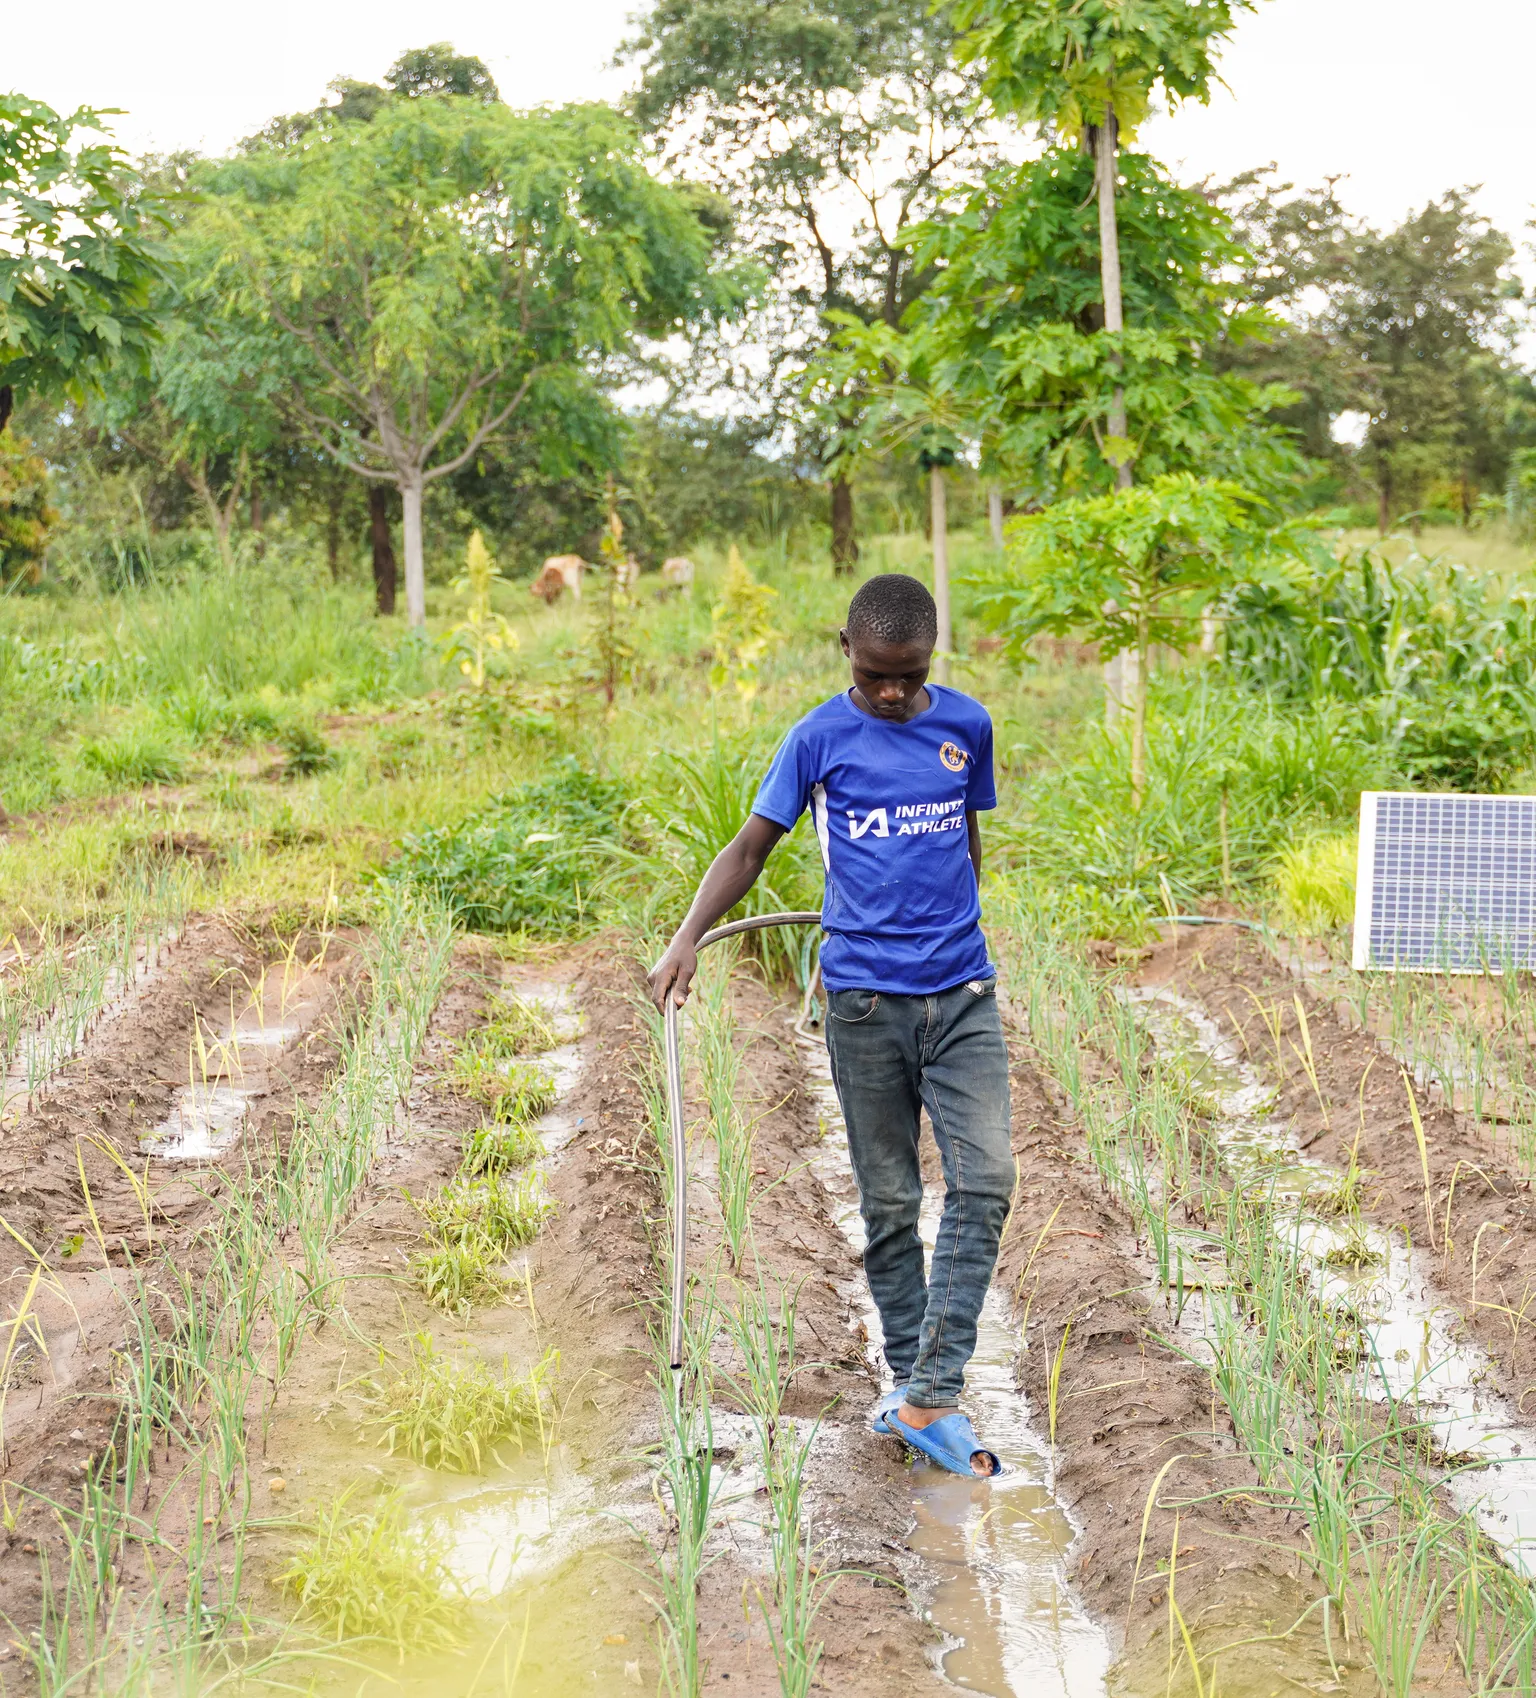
1210,920
679,1138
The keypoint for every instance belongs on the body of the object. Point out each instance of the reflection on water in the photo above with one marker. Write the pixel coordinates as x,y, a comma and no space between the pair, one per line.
554,1612
1415,1352
995,1552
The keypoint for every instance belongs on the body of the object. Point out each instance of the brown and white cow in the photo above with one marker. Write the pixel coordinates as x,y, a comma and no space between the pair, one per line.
677,573
560,572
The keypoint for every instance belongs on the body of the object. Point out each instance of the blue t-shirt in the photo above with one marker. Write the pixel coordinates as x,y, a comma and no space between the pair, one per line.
901,912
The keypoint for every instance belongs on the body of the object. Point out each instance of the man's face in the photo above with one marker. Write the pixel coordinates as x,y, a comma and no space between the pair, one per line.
888,676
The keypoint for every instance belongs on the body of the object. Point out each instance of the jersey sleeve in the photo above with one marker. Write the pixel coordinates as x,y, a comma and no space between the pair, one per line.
785,792
981,791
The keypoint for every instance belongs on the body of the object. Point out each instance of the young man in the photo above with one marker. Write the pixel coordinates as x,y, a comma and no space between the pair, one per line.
895,771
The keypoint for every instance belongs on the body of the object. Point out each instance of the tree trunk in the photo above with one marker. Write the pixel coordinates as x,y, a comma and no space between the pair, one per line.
1383,503
995,514
1117,684
845,544
333,539
258,520
383,548
939,508
411,490
1109,269
1139,715
7,404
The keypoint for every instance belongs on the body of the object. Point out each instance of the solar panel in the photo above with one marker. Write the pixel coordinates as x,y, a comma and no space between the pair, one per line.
1446,883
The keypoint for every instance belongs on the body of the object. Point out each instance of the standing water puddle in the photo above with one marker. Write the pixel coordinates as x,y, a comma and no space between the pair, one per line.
233,1066
994,1551
524,1538
1412,1340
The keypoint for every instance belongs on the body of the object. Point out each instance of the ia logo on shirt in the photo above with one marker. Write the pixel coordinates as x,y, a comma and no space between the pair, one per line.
875,817
953,756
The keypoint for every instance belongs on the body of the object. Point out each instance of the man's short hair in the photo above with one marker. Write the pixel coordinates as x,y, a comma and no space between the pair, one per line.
893,608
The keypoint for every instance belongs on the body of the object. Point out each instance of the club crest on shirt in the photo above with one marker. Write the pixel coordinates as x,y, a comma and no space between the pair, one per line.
953,756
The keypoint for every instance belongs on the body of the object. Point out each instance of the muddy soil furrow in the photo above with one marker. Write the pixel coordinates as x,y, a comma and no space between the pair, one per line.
861,1505
594,1289
1478,1218
76,1184
1128,1408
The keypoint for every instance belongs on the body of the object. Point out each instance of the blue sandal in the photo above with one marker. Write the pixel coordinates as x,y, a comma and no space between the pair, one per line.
887,1405
950,1441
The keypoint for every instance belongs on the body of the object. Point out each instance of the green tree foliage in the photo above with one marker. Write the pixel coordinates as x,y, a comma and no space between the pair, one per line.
444,268
1016,315
1425,313
1089,69
27,516
80,260
798,113
439,70
1073,63
1129,569
1413,327
418,71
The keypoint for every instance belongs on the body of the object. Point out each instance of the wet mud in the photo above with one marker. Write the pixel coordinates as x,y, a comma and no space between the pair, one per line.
1475,1220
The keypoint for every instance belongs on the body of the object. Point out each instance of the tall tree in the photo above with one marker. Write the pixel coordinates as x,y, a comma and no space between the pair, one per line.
1425,312
1413,328
1089,69
1016,312
832,126
445,267
80,257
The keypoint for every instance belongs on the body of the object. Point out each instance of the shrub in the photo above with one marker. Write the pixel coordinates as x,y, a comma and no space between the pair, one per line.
527,861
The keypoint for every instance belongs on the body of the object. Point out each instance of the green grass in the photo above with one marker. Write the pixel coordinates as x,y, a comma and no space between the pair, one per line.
455,1277
499,1147
487,1212
1315,883
452,1415
514,1091
365,1575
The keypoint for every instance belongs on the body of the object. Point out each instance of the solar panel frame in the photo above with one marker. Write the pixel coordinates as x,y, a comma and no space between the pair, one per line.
1445,883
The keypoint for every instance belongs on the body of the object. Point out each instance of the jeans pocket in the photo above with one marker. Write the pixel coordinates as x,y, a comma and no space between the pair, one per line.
849,1007
982,987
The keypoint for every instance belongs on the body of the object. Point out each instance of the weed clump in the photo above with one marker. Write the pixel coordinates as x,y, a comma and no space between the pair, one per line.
518,1027
474,1222
454,1277
487,1212
496,1148
364,1574
514,1093
134,757
451,1415
1315,884
527,860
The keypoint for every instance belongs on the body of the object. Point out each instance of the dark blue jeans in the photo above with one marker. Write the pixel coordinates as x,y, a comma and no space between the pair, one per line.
892,1056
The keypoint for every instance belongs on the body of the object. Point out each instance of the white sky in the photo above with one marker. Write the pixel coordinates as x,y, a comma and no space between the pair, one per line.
1408,97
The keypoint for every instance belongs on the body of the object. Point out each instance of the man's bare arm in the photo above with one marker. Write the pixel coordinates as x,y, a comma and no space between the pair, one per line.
731,875
973,838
